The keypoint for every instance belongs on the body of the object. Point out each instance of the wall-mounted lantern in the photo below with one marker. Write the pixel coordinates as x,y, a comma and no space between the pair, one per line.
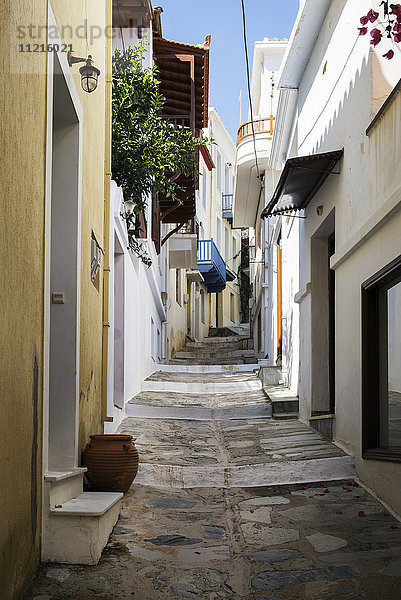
128,208
89,73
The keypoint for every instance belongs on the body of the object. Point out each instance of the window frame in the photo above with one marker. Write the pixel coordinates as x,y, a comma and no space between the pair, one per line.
371,363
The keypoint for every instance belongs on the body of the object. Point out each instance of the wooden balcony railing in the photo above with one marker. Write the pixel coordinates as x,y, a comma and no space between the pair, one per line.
259,126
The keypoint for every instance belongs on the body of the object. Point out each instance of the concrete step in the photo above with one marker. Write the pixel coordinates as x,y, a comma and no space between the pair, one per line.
285,407
77,524
285,415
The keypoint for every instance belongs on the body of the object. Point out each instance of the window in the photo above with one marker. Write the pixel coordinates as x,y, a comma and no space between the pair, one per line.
234,255
218,169
381,364
227,178
227,245
218,233
232,312
178,290
204,188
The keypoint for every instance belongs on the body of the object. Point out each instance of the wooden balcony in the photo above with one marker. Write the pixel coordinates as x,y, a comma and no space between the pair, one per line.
259,126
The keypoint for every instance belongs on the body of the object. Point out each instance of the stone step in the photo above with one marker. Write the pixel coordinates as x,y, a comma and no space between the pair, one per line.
168,405
203,361
201,387
204,354
217,351
184,367
234,453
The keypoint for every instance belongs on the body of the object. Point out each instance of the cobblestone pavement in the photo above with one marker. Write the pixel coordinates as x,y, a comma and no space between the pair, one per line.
221,540
312,542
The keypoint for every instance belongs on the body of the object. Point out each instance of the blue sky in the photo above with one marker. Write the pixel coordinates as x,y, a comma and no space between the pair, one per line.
190,20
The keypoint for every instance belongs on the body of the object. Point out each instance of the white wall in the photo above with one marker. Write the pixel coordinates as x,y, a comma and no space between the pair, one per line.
341,89
144,312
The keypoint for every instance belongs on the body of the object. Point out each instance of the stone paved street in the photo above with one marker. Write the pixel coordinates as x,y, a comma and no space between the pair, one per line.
201,522
295,542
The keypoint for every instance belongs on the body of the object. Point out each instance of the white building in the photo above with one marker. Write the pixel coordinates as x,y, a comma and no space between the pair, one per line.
254,185
207,295
335,212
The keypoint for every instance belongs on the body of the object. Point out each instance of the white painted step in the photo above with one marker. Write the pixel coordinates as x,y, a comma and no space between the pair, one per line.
88,504
77,532
266,474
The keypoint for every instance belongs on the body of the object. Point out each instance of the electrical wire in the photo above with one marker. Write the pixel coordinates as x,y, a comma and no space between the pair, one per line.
249,85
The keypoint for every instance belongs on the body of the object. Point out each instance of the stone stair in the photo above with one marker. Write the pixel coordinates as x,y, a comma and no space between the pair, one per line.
231,349
208,424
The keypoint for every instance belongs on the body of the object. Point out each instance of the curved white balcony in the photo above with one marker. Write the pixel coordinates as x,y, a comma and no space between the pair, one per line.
247,184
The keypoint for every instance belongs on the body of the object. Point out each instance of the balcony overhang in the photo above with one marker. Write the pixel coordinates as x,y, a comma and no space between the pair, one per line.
300,180
184,82
183,251
212,266
195,276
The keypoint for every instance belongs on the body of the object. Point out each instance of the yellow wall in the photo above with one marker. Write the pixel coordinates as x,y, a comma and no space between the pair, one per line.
22,184
93,194
22,189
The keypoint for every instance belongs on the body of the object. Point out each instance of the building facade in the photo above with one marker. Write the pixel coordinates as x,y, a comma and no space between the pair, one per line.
335,219
55,140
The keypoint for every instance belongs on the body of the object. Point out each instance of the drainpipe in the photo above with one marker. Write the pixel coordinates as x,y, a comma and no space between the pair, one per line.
106,220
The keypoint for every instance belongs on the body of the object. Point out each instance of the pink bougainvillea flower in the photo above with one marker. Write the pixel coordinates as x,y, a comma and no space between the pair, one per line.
355,484
364,20
304,487
376,37
395,9
361,513
322,484
397,28
397,37
58,506
363,30
326,491
372,15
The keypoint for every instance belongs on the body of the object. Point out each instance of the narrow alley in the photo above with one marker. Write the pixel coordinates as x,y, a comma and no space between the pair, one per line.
232,503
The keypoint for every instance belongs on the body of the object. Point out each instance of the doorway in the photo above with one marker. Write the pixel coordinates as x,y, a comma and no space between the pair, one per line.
323,346
279,300
65,241
119,338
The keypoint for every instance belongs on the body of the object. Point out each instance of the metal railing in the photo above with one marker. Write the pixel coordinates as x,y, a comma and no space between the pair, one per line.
259,126
227,202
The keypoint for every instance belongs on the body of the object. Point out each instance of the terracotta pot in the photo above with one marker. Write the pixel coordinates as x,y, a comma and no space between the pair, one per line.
112,462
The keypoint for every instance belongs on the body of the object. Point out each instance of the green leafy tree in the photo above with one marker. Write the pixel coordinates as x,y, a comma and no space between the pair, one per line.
148,152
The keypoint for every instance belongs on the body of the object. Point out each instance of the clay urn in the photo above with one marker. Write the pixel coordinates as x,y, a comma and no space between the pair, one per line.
112,462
